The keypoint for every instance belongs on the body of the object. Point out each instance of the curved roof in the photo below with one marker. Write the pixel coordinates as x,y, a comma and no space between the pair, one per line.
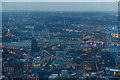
37,59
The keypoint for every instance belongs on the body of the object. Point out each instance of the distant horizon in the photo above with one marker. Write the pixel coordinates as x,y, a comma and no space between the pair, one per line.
61,11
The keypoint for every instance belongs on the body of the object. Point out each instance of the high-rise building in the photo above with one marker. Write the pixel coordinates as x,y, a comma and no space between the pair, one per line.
34,47
110,51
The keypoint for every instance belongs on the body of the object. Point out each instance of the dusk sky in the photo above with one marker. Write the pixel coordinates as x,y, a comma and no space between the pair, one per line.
61,0
60,6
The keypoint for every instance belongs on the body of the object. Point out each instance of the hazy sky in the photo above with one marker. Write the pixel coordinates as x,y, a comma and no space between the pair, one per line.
60,0
60,6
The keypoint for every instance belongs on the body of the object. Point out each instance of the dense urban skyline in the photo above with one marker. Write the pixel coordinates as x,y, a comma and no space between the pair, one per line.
60,41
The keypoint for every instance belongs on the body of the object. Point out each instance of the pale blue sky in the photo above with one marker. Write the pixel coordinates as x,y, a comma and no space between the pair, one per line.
60,0
60,6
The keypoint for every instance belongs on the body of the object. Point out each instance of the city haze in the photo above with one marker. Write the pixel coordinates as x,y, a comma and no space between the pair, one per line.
60,6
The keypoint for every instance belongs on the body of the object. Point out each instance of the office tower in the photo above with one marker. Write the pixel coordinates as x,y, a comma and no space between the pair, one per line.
34,47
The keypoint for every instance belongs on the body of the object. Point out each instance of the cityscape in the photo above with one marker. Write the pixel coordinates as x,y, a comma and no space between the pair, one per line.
60,45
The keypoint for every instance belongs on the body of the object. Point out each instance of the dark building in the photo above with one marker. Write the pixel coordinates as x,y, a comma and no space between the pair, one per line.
34,47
